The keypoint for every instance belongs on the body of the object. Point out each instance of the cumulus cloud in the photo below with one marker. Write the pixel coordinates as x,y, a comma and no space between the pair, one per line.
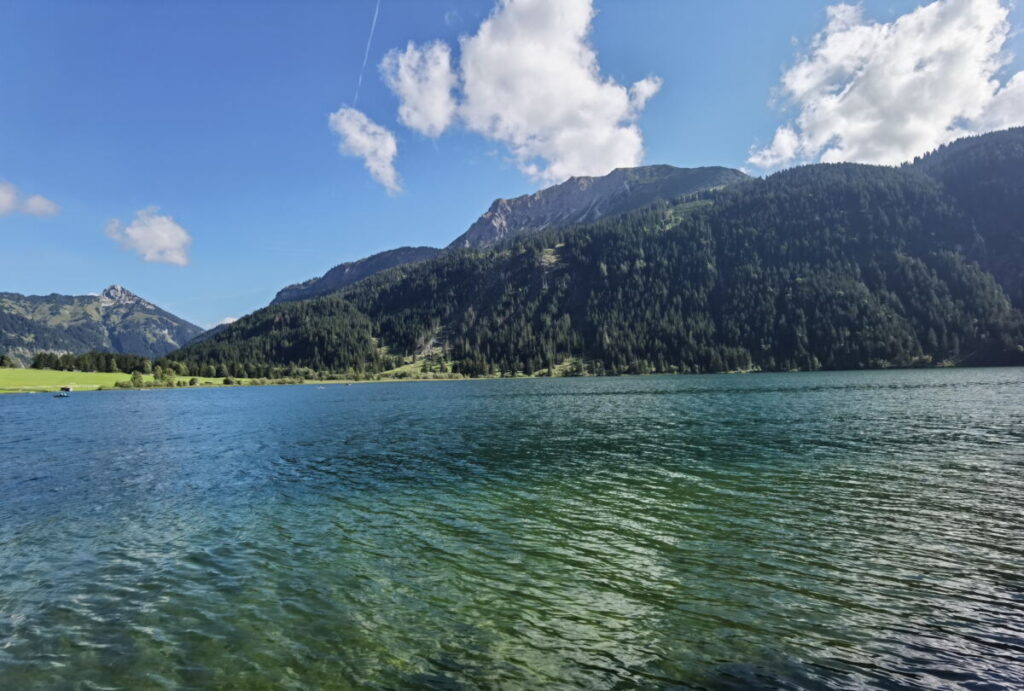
157,238
36,205
784,148
531,81
226,320
885,92
528,79
364,138
423,80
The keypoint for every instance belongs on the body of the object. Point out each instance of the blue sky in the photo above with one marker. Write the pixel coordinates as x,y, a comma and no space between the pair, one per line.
216,113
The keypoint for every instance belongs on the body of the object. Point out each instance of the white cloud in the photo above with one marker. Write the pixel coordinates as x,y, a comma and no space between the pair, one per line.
785,147
642,91
223,322
8,198
155,237
364,138
884,93
38,205
531,81
1006,109
422,78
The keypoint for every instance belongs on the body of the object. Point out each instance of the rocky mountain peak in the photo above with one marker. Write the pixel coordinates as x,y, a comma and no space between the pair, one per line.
119,295
116,293
585,199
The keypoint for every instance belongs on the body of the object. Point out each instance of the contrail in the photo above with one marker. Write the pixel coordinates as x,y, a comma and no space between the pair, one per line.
366,56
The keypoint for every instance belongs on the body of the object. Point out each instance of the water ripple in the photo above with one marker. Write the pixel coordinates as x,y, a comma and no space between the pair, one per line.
829,530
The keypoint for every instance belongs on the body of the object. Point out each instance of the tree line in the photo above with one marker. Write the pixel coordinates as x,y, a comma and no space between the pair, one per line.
94,361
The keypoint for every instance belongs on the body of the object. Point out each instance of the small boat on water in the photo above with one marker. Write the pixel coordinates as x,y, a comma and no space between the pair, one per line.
65,392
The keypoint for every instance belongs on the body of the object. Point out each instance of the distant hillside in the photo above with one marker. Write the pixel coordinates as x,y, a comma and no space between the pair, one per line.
350,272
831,266
116,321
588,199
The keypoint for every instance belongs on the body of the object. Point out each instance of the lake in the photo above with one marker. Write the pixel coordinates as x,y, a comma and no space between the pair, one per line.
814,530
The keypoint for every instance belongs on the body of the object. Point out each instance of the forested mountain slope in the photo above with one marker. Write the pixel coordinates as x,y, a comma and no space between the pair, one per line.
822,266
985,177
577,200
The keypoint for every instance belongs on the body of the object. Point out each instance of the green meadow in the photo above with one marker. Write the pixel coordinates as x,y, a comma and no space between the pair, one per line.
14,380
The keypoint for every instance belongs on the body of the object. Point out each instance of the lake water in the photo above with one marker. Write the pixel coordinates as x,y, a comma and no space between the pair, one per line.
823,530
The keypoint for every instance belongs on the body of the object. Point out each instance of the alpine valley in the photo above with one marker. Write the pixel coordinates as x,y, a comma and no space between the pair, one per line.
652,269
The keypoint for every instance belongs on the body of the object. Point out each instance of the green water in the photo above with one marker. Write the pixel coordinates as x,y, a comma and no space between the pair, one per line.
826,530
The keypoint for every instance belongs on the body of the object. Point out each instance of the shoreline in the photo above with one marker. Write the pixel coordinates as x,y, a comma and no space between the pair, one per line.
212,383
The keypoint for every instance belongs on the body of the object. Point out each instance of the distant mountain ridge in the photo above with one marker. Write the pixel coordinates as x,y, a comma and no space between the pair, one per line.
577,200
115,320
588,199
348,273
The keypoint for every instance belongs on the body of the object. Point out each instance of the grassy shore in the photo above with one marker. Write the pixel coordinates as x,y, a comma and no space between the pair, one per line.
47,380
13,380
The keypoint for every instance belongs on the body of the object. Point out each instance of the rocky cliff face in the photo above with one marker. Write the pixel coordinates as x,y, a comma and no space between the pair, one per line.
587,199
116,320
119,295
350,272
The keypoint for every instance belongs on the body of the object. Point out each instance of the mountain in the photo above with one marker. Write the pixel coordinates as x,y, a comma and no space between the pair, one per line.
983,174
116,321
588,199
204,335
832,266
350,272
577,200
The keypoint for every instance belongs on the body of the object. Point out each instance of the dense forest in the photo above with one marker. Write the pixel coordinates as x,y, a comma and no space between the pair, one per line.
325,334
984,175
828,266
93,361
